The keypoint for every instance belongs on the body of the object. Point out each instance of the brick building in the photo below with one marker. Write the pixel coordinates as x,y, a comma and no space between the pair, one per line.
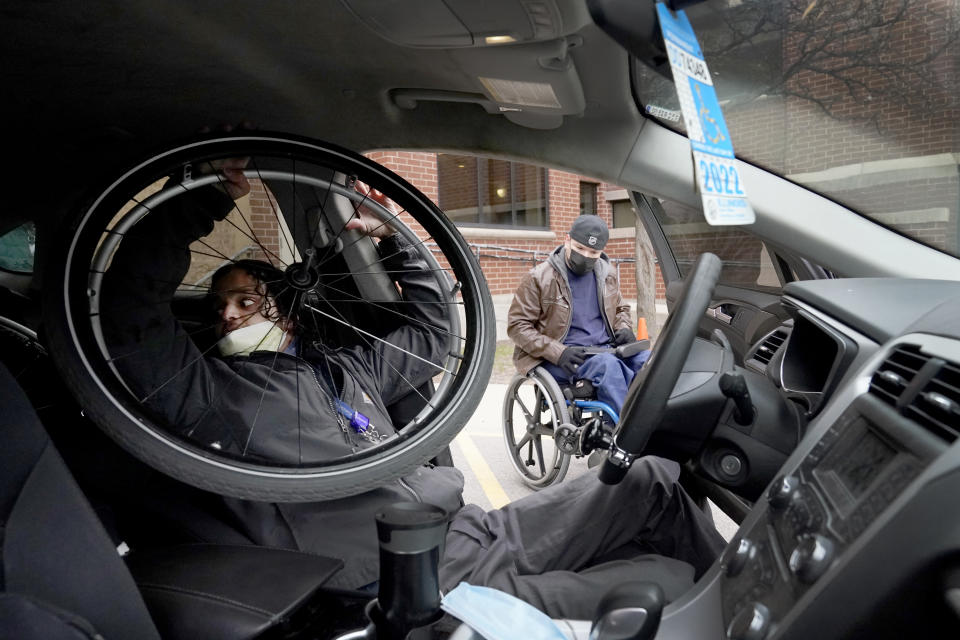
539,207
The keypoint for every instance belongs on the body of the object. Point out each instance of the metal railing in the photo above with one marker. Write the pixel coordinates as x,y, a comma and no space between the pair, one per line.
533,256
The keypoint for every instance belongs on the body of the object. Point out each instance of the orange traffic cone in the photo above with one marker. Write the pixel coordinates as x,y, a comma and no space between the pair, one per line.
642,329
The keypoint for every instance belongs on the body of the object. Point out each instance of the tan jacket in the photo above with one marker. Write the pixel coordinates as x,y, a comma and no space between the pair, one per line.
539,316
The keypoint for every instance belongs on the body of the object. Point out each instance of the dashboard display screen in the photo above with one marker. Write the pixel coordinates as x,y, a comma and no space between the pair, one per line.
863,462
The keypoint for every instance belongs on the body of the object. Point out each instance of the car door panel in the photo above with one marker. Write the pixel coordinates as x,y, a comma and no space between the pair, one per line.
743,315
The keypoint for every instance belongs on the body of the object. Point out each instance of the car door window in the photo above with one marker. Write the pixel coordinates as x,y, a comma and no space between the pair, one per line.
747,262
17,247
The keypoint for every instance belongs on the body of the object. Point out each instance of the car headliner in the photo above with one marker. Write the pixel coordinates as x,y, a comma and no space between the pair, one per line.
161,70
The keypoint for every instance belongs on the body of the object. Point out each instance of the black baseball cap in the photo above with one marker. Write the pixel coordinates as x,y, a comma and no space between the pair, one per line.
591,231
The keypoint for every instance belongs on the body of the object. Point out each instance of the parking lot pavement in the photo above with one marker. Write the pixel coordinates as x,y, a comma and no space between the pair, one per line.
491,482
479,451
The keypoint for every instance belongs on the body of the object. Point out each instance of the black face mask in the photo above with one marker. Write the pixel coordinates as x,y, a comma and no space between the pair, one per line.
579,263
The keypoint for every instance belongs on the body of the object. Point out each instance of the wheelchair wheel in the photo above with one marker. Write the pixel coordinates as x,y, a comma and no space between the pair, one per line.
532,411
334,281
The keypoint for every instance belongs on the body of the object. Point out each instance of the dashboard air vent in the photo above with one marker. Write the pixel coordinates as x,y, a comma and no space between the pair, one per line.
937,406
896,372
768,348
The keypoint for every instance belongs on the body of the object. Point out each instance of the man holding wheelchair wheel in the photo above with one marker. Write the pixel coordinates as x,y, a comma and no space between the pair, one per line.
559,550
568,316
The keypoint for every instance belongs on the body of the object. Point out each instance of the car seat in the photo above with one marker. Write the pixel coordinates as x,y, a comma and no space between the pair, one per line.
55,551
62,577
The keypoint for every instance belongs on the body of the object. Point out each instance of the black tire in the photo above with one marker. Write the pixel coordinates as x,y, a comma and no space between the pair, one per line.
532,411
290,168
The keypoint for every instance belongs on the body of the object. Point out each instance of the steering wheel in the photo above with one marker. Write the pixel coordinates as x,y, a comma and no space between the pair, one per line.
648,394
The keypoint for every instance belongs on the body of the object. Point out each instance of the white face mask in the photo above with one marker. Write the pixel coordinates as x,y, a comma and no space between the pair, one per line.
263,336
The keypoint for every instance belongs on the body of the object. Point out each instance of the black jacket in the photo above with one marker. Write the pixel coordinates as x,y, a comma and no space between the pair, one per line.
272,405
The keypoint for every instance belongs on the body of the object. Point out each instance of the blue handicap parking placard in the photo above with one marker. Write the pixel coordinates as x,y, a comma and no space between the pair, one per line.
715,166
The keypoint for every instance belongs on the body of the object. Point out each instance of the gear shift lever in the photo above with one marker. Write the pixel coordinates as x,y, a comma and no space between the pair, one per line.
630,611
734,386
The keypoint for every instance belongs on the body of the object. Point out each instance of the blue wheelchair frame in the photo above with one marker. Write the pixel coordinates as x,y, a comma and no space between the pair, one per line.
622,351
596,405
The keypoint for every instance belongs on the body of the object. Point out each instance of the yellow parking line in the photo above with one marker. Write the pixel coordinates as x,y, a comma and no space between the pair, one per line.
488,482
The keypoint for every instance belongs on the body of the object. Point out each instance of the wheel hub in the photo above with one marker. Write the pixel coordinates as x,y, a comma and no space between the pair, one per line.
300,275
304,275
567,438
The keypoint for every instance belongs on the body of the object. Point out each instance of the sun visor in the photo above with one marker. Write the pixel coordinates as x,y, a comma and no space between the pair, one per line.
460,23
532,85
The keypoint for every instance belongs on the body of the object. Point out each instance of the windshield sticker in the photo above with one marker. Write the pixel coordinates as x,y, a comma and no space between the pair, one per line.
663,113
718,178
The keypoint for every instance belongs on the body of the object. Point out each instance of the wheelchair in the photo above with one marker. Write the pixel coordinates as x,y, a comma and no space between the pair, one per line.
546,424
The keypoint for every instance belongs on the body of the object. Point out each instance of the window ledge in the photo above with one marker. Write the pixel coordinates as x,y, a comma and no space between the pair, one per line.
494,232
623,232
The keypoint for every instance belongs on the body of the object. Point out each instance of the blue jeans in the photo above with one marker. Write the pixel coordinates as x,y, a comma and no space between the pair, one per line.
611,376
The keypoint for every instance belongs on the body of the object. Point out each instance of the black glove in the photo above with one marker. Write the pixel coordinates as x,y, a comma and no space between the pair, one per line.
571,359
623,336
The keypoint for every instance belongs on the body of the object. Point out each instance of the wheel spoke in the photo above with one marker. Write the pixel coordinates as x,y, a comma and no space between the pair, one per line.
263,393
281,225
538,443
363,335
134,234
384,271
320,208
139,305
353,298
367,334
395,302
252,236
538,402
415,245
158,342
184,369
523,441
343,227
543,430
523,407
215,254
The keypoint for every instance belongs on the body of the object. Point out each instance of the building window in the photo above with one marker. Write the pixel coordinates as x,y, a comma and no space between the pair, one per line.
624,215
588,198
484,191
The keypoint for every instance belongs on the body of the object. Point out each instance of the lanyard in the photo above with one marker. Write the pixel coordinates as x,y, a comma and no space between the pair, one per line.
359,422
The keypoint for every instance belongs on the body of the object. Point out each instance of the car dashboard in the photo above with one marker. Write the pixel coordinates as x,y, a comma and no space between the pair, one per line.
858,535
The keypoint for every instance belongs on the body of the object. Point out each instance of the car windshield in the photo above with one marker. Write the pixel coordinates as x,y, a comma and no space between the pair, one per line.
857,101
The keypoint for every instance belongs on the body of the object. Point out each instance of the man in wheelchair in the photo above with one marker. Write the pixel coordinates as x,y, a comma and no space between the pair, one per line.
568,316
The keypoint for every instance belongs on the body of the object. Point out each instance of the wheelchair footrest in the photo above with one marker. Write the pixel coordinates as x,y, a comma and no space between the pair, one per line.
580,390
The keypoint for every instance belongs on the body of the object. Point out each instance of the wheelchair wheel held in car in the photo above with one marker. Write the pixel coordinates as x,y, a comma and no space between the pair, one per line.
371,349
533,410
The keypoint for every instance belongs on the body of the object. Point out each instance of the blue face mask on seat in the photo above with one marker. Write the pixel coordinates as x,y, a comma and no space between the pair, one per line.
499,616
